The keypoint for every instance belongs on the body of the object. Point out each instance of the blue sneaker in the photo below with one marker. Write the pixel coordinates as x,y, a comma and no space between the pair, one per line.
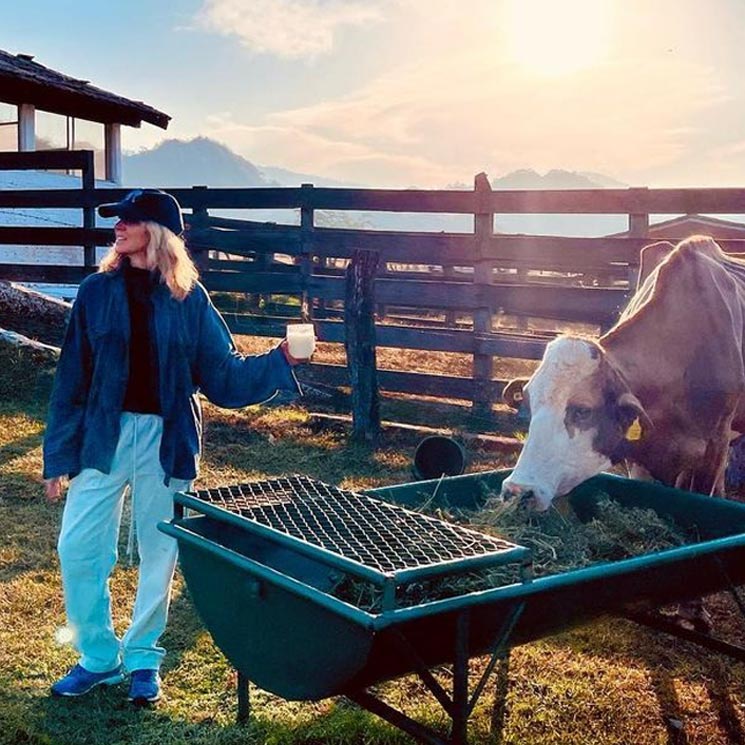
79,681
144,687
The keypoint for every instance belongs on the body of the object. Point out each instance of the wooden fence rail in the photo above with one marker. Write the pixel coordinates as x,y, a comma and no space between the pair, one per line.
469,279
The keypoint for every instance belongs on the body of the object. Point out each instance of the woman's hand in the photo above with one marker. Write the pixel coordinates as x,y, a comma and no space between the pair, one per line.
285,347
54,489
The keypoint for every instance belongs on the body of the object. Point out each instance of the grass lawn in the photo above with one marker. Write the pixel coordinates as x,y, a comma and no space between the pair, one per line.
609,682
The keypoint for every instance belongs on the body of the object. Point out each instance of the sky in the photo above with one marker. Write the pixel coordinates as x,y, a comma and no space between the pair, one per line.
425,93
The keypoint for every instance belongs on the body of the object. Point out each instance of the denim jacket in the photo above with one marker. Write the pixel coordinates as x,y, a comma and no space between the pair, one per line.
195,353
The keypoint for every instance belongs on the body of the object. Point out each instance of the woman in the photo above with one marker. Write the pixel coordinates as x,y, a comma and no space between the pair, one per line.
143,340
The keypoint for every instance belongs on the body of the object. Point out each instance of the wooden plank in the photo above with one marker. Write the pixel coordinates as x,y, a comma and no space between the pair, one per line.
68,275
594,305
497,344
483,276
422,384
576,201
37,160
89,213
360,344
591,304
233,223
226,265
619,201
263,282
43,236
278,239
529,251
39,198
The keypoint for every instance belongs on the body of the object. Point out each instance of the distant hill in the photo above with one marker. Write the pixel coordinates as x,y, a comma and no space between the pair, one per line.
527,178
204,161
283,177
188,163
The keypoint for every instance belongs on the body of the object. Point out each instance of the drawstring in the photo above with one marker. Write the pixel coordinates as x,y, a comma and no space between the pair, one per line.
132,484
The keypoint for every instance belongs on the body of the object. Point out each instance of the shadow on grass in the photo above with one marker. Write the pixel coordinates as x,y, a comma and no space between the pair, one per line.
668,661
184,626
18,448
29,529
105,717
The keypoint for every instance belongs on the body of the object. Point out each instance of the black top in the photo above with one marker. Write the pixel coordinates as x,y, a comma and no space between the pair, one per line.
142,395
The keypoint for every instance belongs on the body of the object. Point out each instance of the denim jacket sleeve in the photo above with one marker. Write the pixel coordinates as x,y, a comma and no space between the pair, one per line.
64,430
230,379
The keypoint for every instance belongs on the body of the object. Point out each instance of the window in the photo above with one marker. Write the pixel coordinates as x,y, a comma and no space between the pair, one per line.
8,127
90,136
53,131
57,132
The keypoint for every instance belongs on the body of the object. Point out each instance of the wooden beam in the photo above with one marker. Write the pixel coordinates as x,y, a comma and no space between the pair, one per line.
43,236
67,275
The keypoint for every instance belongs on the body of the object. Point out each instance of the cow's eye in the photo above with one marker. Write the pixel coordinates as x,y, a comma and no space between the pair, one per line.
581,414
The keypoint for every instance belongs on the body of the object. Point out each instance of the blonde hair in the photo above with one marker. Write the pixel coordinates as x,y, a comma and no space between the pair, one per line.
165,252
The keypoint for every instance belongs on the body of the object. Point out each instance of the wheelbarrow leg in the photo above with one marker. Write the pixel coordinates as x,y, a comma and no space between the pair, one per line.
460,711
244,700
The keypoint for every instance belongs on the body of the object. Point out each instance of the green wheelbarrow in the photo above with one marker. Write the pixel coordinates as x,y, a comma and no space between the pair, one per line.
261,561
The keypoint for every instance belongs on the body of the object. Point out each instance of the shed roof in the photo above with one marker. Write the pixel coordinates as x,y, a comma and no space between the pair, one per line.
24,81
678,228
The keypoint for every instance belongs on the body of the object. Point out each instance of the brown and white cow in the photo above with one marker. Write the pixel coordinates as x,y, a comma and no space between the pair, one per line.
662,390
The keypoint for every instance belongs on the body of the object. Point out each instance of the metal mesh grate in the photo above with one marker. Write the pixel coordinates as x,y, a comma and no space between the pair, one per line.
376,534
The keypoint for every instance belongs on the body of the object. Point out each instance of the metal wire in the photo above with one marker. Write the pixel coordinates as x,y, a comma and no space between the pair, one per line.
377,534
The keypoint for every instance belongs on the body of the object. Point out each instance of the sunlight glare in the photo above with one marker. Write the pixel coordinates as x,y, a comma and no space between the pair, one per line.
557,37
63,635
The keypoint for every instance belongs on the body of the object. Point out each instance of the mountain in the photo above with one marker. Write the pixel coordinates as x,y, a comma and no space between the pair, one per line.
203,161
527,178
188,163
602,180
283,177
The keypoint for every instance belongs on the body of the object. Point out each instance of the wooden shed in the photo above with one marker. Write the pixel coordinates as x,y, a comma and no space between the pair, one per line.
43,109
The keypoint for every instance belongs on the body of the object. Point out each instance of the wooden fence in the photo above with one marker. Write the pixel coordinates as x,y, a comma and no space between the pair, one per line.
515,276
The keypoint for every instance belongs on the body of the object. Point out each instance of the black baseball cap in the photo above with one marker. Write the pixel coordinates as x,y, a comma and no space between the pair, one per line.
143,205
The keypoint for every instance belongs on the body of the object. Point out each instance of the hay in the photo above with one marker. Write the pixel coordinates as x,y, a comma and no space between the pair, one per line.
559,542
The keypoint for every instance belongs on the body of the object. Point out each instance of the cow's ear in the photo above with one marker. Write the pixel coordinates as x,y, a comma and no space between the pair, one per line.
513,392
632,416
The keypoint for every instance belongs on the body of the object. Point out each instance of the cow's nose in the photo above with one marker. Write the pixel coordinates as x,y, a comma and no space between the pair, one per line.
511,491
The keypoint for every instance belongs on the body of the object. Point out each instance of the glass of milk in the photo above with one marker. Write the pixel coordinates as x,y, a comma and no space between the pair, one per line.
301,340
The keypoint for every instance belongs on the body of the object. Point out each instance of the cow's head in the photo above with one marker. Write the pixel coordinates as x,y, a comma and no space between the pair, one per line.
583,418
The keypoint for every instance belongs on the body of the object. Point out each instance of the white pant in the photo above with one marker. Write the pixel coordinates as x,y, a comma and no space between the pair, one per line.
88,550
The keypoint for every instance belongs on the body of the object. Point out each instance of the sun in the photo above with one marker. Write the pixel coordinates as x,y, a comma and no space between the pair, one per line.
557,37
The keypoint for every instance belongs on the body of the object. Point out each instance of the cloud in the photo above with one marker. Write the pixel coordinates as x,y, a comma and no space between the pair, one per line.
473,111
299,148
291,29
448,99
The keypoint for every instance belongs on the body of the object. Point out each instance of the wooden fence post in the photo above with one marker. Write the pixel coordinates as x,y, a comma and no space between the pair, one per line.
483,274
199,219
88,180
448,272
638,228
306,260
359,342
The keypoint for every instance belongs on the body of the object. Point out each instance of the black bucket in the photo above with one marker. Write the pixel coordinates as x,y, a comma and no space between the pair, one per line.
438,455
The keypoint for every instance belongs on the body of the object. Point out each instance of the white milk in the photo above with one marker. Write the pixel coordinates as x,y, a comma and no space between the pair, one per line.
301,340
